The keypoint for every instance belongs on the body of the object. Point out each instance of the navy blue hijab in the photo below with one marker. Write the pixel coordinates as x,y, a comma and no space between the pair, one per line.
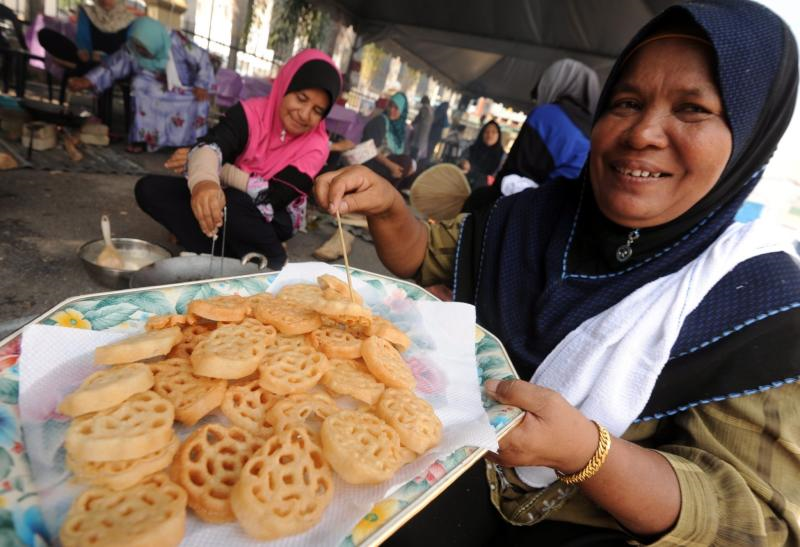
543,261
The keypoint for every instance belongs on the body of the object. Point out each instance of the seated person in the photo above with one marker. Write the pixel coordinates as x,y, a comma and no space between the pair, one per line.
258,161
484,157
554,140
169,90
390,134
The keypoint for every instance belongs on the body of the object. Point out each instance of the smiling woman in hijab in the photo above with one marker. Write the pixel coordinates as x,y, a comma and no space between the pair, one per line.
259,160
171,79
659,336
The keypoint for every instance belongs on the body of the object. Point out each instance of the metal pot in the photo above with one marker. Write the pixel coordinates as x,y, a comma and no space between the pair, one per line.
136,251
181,269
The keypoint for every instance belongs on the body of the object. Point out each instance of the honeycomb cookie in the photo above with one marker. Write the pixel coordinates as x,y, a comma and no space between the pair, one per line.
148,514
246,406
335,343
192,335
122,474
352,378
294,410
208,465
107,388
233,351
304,295
292,371
287,317
386,363
192,396
361,447
229,309
139,426
284,487
138,347
413,418
383,328
158,322
334,288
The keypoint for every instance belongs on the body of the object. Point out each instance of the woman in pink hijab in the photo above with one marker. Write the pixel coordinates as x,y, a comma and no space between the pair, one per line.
259,161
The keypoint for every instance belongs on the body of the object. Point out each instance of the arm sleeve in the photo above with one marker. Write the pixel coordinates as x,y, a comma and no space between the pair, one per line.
439,262
116,66
83,36
738,471
230,134
286,185
375,130
529,157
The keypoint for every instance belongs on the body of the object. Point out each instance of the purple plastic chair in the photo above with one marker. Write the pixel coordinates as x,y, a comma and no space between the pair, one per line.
254,87
340,119
229,87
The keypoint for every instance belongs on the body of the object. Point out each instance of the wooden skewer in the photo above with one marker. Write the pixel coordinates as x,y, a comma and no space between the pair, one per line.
344,254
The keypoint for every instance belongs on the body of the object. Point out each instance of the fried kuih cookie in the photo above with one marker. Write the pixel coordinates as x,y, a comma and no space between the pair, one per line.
292,371
230,309
246,406
192,335
287,316
361,447
139,347
352,378
122,474
386,363
284,488
233,351
193,396
139,426
208,465
335,343
413,419
148,514
107,388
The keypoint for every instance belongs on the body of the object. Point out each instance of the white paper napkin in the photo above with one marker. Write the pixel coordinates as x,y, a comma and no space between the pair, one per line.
54,360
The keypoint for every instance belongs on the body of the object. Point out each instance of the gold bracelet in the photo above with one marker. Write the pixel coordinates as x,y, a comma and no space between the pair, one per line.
596,461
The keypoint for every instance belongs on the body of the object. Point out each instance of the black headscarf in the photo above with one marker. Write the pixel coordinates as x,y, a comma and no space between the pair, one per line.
486,159
318,74
543,261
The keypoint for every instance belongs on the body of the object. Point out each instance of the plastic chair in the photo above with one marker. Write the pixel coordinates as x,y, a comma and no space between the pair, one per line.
14,52
229,87
254,87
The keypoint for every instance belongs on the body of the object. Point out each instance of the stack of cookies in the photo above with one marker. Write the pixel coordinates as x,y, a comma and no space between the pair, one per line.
307,383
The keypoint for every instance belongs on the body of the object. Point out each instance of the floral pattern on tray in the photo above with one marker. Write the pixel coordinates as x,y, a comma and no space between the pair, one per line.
21,521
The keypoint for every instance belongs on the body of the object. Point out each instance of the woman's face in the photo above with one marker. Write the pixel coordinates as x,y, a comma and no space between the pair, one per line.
301,111
663,141
394,112
490,135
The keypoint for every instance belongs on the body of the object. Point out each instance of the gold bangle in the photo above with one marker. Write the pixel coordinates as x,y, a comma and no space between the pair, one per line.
596,461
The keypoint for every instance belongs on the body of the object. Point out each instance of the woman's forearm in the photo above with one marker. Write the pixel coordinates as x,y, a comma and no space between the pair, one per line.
400,238
638,487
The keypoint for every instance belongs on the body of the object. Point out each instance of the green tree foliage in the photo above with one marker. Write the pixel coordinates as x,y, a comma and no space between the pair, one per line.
293,19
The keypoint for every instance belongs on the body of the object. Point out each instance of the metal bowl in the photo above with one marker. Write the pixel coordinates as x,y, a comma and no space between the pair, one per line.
138,252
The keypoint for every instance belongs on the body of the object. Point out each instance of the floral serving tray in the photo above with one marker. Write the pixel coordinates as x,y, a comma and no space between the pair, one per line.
21,521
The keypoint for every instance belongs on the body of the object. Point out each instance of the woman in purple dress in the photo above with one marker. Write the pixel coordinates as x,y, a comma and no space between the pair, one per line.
171,80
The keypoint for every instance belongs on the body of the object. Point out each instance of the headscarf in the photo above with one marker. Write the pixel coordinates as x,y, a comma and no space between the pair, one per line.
547,265
155,38
396,129
110,21
569,79
269,148
486,159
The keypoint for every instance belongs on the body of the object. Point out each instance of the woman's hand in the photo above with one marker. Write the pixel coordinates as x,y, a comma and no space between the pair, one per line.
208,199
464,165
552,434
79,84
177,161
355,189
200,94
83,55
